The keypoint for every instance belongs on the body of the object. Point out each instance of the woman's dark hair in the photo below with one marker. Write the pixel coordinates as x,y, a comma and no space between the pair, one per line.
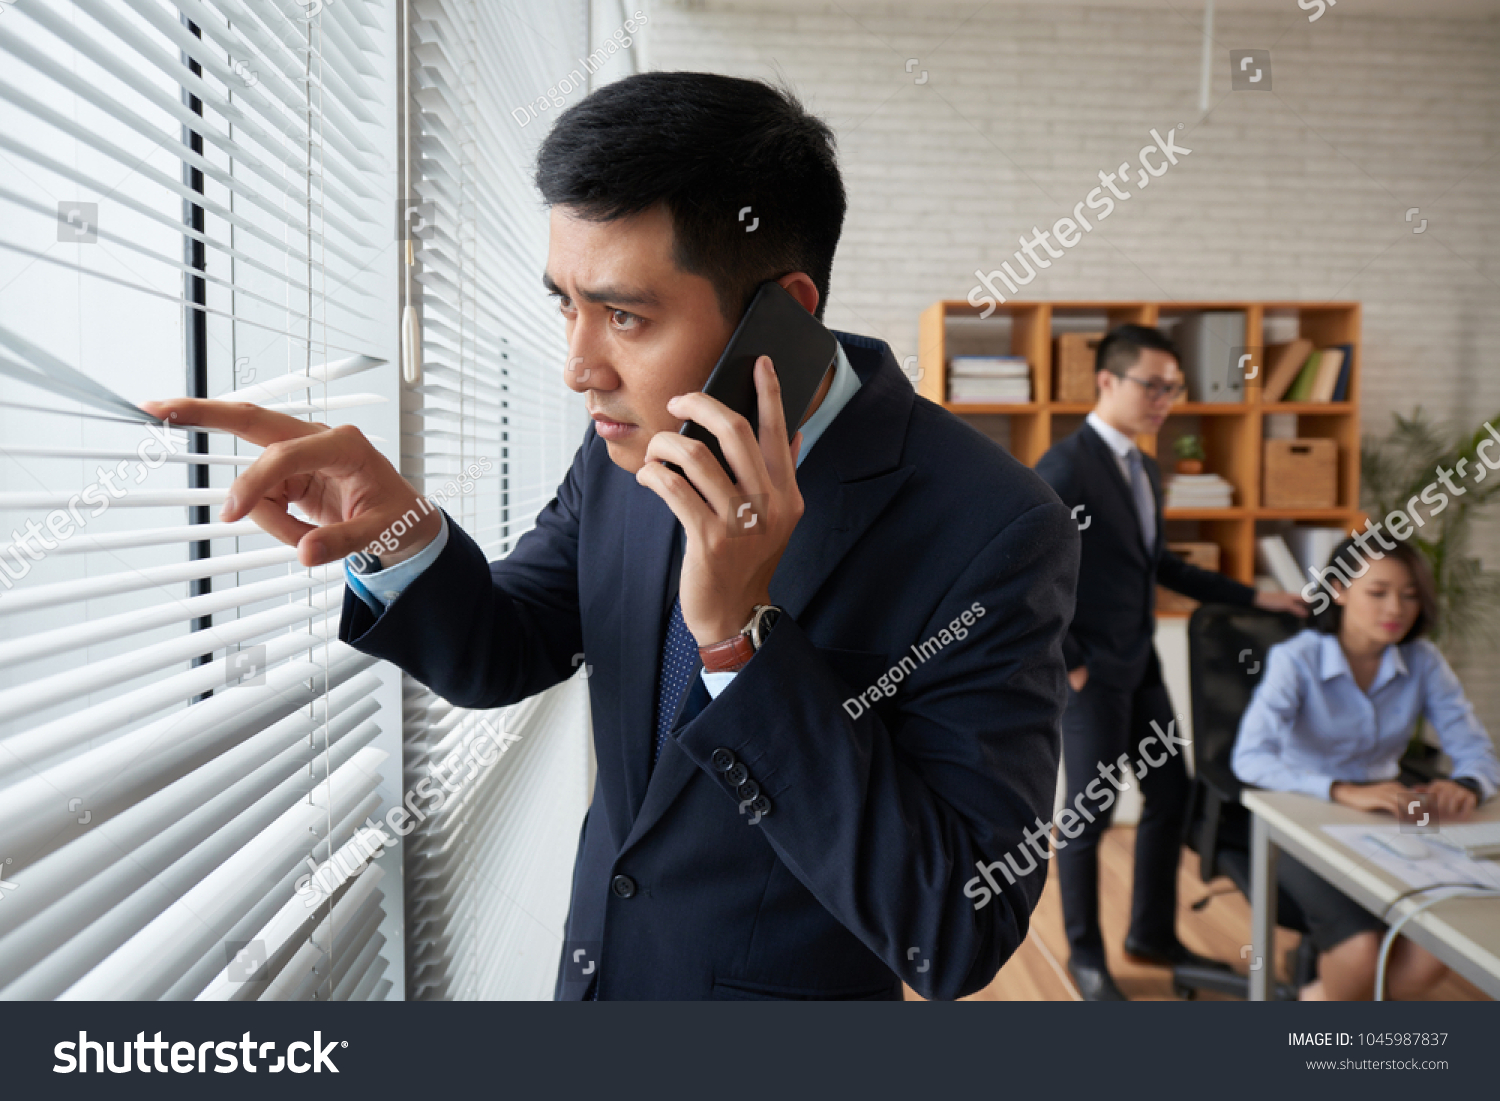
1348,562
1120,349
749,177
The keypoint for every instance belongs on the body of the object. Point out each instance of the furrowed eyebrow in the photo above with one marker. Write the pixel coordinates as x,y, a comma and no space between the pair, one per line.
612,295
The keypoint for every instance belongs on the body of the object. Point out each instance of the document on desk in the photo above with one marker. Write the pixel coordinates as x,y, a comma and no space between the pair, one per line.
1443,862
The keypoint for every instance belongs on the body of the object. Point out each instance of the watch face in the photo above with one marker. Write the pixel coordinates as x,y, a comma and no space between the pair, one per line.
760,626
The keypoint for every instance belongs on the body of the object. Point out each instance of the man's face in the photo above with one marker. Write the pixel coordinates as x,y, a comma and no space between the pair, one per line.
1139,402
640,330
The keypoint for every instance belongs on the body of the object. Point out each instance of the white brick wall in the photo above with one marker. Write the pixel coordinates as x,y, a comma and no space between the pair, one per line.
1296,193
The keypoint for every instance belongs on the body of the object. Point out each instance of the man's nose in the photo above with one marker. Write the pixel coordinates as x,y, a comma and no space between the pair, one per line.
587,368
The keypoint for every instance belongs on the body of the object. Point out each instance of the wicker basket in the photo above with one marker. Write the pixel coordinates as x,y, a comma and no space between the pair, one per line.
1301,474
1073,366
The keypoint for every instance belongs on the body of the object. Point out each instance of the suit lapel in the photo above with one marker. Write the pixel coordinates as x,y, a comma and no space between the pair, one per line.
847,480
650,528
1104,458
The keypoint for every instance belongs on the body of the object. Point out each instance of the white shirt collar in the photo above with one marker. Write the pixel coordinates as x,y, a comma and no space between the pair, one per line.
1333,663
845,383
1121,444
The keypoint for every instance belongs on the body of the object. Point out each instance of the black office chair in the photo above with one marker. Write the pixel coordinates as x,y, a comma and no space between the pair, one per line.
1227,646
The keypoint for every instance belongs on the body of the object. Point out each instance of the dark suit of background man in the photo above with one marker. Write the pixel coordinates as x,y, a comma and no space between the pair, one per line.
1115,685
800,823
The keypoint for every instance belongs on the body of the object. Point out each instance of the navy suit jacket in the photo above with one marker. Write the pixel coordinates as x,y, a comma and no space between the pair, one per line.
1114,627
854,878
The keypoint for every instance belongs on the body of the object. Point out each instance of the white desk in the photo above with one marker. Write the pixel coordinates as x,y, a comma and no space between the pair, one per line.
1462,932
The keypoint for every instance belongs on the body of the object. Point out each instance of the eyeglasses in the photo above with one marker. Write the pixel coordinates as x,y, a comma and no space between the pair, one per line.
1156,389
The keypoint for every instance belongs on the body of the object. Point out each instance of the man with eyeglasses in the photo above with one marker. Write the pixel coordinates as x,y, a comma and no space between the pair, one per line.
1114,679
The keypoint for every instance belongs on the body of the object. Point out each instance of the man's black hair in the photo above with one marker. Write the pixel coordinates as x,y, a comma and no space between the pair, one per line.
1120,350
708,147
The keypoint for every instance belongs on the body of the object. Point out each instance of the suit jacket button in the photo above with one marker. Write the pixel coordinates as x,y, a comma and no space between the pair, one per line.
738,774
623,886
724,759
761,806
749,790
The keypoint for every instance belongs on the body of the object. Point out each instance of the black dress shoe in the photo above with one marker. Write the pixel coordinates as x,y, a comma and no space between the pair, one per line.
1175,956
1094,983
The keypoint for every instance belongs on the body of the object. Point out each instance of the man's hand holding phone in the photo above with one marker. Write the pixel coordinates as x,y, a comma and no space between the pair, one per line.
334,475
732,550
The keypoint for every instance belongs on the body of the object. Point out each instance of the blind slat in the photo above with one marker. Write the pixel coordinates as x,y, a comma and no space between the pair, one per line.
68,891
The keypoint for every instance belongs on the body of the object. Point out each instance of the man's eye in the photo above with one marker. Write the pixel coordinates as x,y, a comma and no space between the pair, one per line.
623,319
564,303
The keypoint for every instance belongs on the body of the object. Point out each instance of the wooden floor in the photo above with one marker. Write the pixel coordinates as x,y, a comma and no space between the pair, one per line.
1038,970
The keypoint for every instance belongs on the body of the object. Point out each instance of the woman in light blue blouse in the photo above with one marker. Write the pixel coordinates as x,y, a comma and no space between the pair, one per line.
1331,718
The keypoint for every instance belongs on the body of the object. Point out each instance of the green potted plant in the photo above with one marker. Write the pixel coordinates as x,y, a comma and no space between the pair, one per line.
1398,467
1190,455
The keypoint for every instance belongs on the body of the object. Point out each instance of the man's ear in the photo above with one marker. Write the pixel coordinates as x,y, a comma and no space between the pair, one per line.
801,287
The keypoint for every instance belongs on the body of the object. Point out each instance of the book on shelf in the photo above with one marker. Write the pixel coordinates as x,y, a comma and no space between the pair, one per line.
998,390
1283,362
1277,560
1302,386
1198,491
1323,375
1329,365
1341,388
989,367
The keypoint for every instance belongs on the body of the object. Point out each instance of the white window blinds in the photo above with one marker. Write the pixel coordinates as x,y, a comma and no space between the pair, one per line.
490,872
195,196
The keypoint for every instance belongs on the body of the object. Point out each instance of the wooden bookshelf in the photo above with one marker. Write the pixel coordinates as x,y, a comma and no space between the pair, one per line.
1232,432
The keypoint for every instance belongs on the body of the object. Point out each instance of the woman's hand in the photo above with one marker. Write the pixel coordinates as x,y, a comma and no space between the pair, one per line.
1389,796
1282,602
1078,677
1454,801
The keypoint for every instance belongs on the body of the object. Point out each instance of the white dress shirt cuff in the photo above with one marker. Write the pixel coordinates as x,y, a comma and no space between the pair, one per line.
388,584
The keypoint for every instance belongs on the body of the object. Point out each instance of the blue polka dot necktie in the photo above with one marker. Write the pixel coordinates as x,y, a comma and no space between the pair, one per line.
679,664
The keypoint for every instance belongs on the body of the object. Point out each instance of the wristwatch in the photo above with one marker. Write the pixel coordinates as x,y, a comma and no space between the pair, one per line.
1472,784
733,654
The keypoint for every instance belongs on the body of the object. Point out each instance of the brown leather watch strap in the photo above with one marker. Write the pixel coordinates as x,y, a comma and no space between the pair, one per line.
729,656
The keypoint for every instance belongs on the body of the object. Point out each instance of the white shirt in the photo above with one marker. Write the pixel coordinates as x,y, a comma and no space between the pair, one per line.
1119,443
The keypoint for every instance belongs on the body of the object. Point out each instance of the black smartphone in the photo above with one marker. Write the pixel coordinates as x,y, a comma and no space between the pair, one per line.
801,351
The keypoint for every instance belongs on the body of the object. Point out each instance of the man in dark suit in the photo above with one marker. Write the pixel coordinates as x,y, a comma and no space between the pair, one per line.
811,726
1115,688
